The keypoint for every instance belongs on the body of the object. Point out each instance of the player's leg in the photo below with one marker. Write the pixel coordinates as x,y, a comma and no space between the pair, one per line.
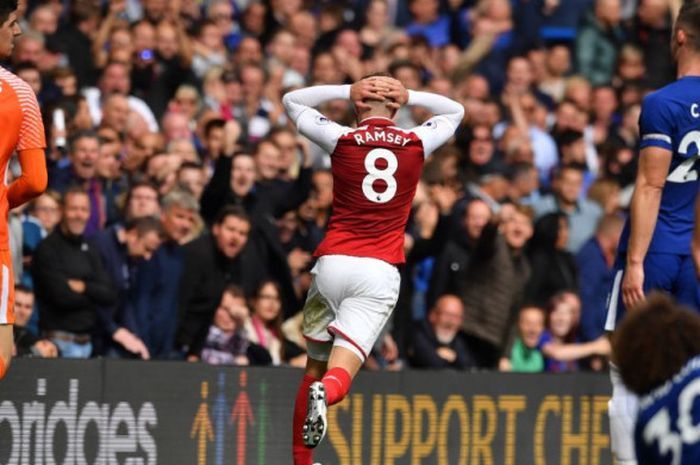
318,313
622,411
7,317
360,318
343,365
315,369
660,271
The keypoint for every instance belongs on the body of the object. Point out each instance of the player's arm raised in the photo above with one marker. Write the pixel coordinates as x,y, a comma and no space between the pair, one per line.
447,117
654,163
300,104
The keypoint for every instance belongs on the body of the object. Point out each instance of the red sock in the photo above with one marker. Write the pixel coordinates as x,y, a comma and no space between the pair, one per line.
337,382
2,368
302,455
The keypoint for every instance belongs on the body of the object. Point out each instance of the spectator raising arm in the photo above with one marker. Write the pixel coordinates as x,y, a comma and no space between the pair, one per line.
576,351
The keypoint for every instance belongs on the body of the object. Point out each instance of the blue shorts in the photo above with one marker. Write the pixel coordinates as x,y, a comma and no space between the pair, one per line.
674,274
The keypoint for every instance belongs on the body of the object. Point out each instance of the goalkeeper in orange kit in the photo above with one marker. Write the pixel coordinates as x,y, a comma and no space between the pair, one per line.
22,131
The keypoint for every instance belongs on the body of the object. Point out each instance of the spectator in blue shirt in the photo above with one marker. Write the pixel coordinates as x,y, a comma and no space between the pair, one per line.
428,22
159,286
583,214
595,263
121,248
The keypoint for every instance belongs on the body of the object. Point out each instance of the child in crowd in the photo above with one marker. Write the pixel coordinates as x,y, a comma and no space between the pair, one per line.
227,341
525,355
28,344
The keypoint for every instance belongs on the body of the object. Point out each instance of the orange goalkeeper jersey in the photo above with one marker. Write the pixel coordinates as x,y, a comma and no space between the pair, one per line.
21,128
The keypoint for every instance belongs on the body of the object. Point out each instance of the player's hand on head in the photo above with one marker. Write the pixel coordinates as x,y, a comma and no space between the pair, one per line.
633,286
366,89
395,91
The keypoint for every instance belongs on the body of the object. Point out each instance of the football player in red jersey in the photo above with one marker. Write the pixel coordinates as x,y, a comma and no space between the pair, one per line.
376,167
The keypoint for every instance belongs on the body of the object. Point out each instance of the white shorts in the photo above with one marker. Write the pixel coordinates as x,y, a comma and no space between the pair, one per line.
352,298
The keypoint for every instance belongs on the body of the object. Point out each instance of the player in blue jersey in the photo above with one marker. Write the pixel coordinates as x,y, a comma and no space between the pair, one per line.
655,245
667,431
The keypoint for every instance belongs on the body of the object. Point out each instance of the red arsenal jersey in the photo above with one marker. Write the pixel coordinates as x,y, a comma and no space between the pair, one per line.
376,168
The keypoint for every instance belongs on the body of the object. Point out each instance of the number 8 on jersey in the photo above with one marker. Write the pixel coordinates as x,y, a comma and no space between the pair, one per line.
384,174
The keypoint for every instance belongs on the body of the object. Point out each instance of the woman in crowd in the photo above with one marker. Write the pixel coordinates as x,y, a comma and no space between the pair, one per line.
559,343
264,326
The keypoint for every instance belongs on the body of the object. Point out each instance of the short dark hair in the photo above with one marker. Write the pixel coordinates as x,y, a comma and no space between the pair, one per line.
73,190
689,20
568,137
396,65
190,165
144,225
7,7
83,10
84,134
216,123
654,342
569,166
261,142
518,169
24,289
141,183
24,66
234,290
231,210
280,130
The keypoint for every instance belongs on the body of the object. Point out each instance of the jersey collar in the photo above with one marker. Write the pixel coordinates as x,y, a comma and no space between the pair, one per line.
377,121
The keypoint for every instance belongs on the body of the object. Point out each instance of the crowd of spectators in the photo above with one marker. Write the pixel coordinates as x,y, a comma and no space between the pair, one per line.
183,207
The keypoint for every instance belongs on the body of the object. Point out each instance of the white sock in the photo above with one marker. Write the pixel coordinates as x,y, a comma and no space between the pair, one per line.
622,410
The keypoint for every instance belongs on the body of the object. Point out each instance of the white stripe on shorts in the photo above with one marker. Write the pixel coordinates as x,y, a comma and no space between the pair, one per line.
612,304
5,294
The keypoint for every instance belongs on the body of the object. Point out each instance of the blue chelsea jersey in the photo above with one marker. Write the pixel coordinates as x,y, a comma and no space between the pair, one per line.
670,119
668,425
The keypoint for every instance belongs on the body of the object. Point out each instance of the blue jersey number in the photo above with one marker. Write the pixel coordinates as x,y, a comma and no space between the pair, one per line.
687,171
658,429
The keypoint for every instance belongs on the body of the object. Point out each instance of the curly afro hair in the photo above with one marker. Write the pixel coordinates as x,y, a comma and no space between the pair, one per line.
654,341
